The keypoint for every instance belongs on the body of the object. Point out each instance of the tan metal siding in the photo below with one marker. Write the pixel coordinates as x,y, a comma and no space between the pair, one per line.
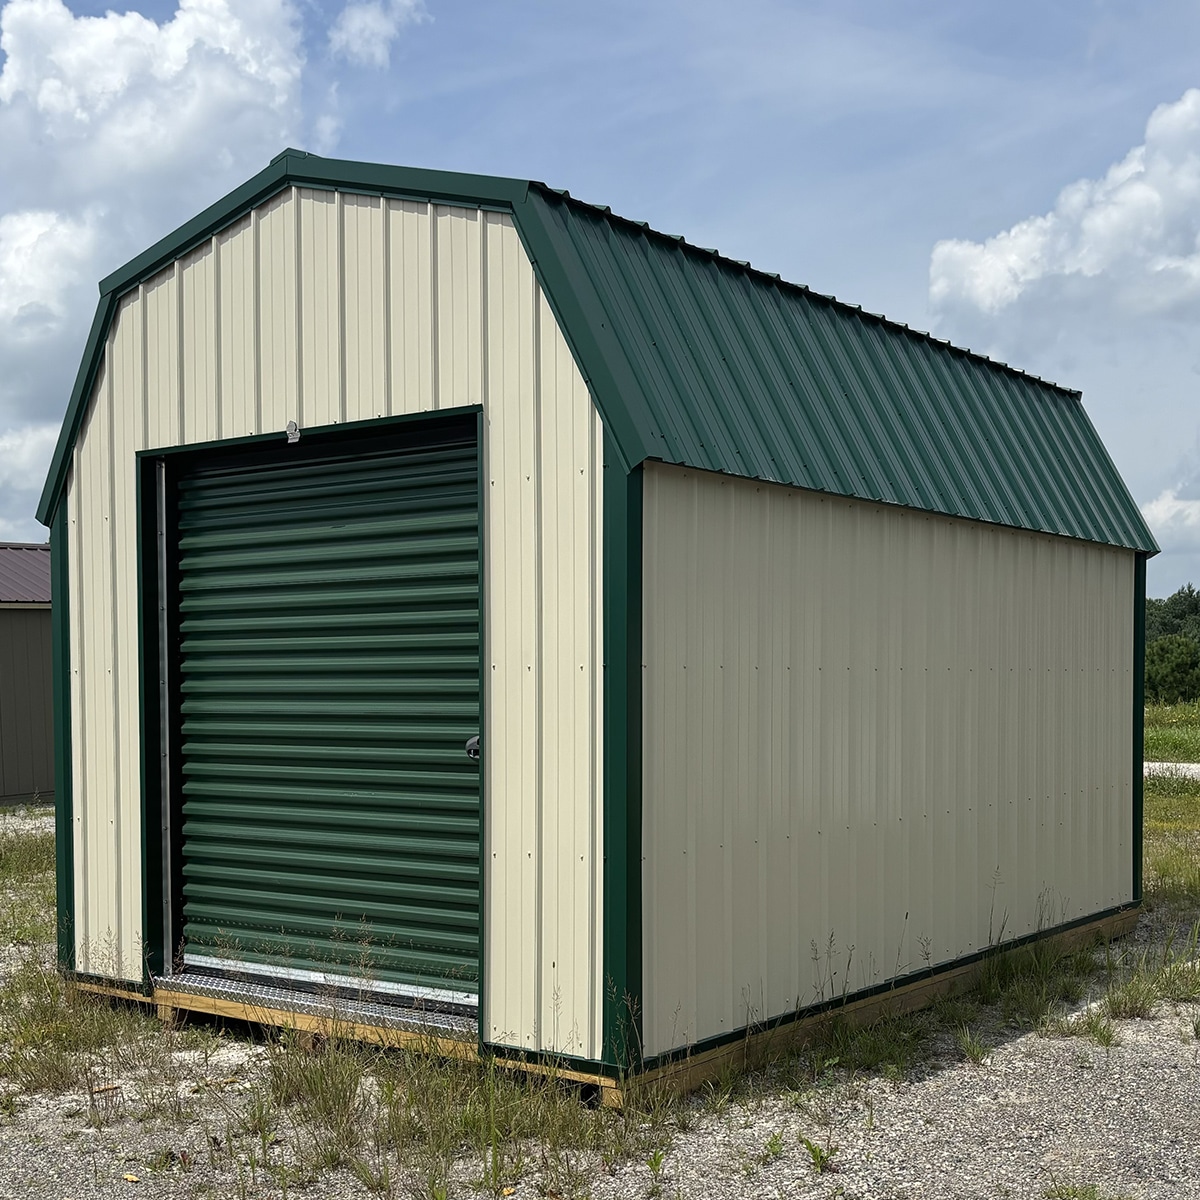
875,740
319,261
200,410
277,311
364,233
359,307
237,330
128,436
409,286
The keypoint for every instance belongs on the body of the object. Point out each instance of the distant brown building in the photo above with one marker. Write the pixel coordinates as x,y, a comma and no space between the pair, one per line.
26,695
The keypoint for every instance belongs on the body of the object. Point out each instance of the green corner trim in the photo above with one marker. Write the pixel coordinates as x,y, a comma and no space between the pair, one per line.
622,954
64,834
1139,715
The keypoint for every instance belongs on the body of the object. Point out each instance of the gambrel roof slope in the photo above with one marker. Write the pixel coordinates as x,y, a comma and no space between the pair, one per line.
698,360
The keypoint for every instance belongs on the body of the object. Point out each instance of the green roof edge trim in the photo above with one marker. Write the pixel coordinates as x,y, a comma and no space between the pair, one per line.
701,360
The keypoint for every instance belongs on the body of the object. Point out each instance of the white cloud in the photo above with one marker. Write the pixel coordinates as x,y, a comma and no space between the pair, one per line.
365,29
114,129
25,456
42,255
1175,521
108,99
1133,234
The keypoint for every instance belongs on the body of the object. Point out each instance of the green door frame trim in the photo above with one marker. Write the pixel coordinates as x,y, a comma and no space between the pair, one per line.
155,937
1139,717
64,815
484,873
621,982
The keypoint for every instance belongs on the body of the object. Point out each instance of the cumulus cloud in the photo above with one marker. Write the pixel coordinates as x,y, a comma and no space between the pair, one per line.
42,256
104,101
25,455
1175,521
1135,233
115,129
365,29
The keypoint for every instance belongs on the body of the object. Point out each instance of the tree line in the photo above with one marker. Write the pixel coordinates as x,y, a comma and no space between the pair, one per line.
1173,647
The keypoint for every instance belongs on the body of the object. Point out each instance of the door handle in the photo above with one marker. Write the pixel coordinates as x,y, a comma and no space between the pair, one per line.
473,748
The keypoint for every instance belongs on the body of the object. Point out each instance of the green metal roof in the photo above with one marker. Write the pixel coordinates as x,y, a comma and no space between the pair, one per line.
701,361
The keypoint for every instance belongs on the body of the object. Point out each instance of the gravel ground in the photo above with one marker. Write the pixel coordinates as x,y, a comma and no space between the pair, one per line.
1038,1117
1037,1114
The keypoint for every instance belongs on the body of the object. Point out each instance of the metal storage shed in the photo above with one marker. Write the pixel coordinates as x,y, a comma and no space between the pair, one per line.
26,684
804,649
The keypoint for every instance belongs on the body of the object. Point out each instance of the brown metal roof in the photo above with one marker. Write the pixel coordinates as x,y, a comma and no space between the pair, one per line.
24,573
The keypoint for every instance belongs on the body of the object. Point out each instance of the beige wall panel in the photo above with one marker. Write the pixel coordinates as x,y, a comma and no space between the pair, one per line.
513,702
457,254
441,309
320,310
79,707
199,374
128,436
571,752
364,229
410,289
237,329
278,358
100,945
160,307
875,740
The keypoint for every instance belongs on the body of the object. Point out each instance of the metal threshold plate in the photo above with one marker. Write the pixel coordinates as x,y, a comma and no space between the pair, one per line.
356,1009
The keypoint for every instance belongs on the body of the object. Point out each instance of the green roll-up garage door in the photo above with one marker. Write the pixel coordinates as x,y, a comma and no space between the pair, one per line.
329,620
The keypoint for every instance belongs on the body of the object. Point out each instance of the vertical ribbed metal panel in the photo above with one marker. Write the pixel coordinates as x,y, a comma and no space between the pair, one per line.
875,740
699,361
427,346
237,330
276,241
329,666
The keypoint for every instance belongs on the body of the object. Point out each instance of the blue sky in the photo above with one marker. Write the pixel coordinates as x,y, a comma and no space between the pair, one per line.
1024,179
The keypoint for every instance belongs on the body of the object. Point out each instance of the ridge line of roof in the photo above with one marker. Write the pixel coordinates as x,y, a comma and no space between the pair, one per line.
679,241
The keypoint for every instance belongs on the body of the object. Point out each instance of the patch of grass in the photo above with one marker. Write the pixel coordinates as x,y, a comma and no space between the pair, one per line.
1078,1191
1093,1023
52,1038
1172,732
974,1048
25,854
1032,983
26,888
821,1156
890,1046
1133,998
1171,825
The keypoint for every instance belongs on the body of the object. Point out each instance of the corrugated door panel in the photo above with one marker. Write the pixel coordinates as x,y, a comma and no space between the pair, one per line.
329,627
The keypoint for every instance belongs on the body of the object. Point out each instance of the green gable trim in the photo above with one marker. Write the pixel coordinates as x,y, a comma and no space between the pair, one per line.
700,361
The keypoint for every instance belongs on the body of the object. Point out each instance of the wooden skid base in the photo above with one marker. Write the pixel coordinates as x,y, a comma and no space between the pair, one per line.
684,1074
